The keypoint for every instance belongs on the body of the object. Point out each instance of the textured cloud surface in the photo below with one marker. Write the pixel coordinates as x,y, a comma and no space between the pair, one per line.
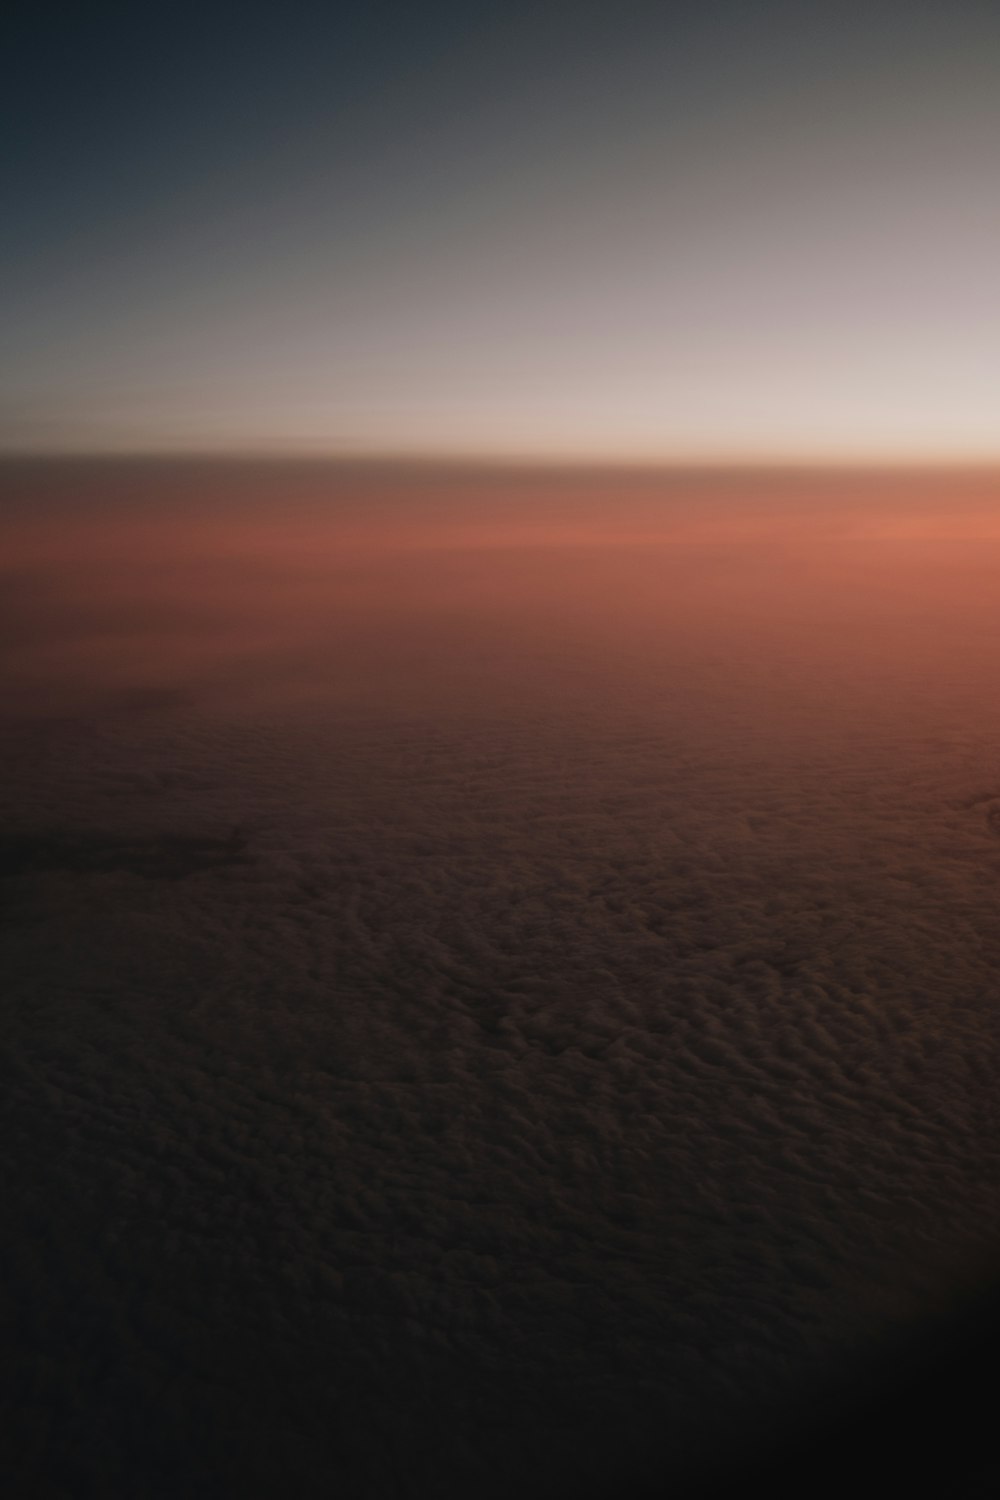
502,970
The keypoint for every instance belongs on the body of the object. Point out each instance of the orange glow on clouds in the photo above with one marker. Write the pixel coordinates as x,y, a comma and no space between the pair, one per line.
788,594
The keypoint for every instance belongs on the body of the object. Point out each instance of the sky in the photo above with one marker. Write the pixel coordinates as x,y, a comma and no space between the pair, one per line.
634,232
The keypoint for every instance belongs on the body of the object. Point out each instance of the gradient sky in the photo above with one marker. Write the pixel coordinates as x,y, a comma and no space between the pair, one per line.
634,231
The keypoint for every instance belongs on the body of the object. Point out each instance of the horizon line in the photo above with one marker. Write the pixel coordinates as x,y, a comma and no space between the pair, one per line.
788,462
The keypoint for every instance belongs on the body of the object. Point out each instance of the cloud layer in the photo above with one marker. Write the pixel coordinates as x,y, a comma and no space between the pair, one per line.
484,1019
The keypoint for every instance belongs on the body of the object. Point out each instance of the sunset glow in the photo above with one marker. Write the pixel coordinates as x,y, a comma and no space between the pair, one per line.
500,750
